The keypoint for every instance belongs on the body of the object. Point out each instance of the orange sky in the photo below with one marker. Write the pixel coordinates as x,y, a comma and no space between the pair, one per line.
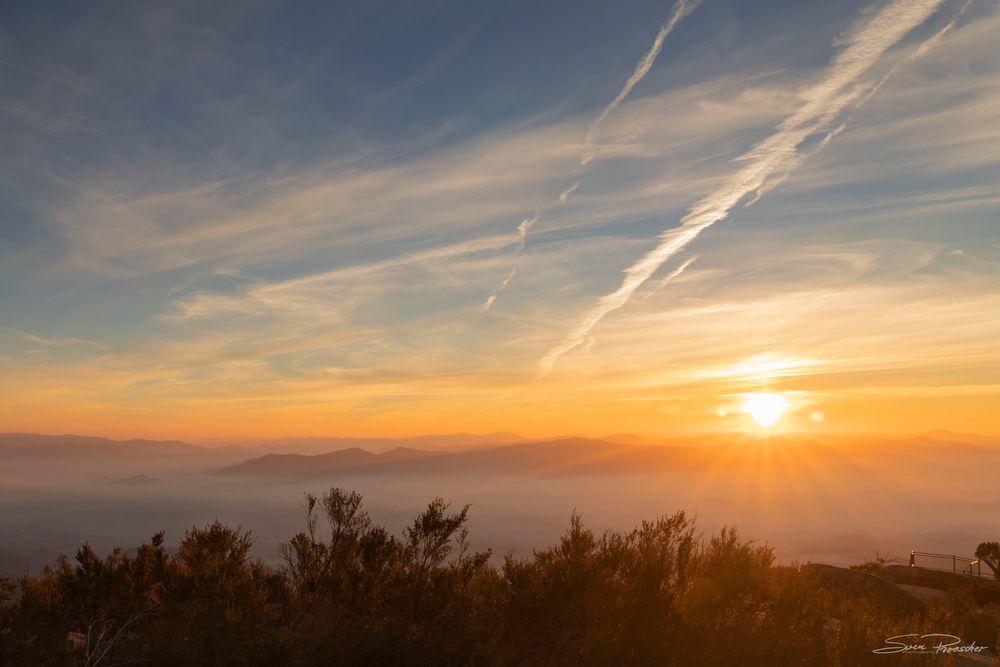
547,407
806,214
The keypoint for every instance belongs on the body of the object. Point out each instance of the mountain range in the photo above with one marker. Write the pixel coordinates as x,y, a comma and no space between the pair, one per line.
460,454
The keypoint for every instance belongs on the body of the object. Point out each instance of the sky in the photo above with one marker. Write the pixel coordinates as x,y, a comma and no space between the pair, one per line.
235,219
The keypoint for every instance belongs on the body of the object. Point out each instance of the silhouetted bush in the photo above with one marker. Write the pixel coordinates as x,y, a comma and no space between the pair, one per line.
350,593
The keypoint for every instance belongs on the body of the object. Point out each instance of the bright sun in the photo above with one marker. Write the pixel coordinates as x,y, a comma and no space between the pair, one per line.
765,409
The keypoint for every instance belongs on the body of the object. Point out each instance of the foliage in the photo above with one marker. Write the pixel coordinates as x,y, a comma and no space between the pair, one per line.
989,553
350,593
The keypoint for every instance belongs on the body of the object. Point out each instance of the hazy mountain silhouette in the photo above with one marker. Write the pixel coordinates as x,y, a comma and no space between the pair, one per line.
30,456
432,442
964,438
627,439
586,456
352,458
467,453
563,456
137,480
87,452
36,445
933,444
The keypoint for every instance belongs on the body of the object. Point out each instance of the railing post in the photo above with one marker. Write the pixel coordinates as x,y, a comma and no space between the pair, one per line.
954,567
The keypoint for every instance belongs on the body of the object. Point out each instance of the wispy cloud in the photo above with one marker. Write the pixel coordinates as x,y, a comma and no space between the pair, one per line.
356,279
44,344
483,244
274,295
253,250
771,159
794,305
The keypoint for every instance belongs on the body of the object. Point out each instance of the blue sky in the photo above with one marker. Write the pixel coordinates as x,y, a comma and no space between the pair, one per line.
304,217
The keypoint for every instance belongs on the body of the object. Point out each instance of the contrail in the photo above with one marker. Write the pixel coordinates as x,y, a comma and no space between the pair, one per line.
487,243
917,53
770,159
564,195
522,237
673,274
681,9
524,228
493,297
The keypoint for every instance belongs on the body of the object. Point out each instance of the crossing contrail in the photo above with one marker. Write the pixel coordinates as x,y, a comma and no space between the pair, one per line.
493,297
771,159
670,276
681,9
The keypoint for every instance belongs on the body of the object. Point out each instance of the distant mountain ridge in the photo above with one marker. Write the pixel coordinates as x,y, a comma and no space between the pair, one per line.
352,458
35,444
588,456
432,442
560,456
27,455
136,480
469,453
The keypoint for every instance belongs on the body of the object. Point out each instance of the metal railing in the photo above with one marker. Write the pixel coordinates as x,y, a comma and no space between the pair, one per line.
946,563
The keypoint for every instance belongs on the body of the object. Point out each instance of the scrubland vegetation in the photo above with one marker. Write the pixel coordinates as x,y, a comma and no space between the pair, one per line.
351,593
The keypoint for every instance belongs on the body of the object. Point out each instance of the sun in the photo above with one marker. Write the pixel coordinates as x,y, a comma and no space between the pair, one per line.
765,409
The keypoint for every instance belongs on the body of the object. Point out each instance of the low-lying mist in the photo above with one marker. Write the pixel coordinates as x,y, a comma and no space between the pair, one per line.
835,507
